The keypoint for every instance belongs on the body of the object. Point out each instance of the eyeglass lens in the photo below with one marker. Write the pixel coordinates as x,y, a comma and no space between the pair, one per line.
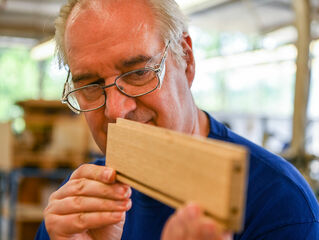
133,84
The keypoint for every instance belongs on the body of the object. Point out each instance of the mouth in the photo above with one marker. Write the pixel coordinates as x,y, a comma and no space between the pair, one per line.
150,122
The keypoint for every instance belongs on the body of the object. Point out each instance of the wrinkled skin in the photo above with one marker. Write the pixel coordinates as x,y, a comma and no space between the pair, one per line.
89,206
101,38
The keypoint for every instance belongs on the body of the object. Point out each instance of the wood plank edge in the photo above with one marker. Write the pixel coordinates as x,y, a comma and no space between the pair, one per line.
238,189
205,144
174,203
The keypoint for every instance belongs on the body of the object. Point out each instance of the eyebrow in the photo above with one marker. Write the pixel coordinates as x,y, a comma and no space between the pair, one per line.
85,76
125,63
135,60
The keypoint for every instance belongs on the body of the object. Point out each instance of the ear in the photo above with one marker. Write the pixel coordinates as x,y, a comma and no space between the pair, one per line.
189,58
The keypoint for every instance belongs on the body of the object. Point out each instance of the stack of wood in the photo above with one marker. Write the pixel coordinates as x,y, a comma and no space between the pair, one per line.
53,136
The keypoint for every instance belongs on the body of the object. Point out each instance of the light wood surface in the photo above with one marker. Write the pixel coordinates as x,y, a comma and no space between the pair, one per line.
176,168
6,150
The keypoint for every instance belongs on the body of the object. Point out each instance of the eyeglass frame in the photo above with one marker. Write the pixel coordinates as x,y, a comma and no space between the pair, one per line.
157,69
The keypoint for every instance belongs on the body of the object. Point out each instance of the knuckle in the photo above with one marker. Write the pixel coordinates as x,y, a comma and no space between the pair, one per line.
78,172
79,185
52,196
47,210
77,202
81,168
80,222
106,190
50,222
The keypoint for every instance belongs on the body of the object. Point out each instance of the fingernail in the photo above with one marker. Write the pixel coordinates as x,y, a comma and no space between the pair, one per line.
125,203
129,204
124,191
128,192
108,174
120,190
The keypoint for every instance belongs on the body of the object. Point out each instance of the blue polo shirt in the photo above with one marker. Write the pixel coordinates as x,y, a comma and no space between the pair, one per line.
280,204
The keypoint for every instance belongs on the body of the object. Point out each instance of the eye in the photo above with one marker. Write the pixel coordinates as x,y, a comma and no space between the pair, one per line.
100,81
84,83
141,72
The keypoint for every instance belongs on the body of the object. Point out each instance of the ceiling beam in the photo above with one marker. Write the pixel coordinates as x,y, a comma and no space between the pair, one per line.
206,6
26,25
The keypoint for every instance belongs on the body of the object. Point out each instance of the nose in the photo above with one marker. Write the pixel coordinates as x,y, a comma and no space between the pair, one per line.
118,105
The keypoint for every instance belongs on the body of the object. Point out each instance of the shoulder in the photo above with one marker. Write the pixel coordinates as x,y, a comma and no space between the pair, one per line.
278,197
277,194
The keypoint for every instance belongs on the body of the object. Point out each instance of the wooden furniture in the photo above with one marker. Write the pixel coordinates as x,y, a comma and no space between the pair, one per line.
25,208
6,147
32,164
53,137
176,168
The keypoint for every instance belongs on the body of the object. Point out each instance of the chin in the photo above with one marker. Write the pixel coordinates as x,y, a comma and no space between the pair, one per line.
101,143
103,150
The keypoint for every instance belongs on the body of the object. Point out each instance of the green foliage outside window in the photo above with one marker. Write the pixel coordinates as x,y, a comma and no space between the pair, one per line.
264,89
20,80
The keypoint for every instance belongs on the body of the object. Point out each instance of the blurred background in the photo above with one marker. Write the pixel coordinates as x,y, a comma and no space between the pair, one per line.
257,64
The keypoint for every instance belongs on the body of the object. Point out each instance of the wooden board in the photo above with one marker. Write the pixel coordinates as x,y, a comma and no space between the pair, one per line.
6,147
176,168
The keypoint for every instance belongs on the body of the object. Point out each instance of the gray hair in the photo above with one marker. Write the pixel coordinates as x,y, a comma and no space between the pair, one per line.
171,22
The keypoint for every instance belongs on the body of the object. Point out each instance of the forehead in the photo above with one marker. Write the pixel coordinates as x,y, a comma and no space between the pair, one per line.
102,24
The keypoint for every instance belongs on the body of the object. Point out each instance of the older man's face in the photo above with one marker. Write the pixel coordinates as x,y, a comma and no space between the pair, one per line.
101,38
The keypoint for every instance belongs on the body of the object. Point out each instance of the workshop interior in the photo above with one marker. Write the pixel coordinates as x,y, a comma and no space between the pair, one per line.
257,71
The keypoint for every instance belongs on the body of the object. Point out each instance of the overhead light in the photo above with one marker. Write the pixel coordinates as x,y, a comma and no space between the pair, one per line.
193,6
43,50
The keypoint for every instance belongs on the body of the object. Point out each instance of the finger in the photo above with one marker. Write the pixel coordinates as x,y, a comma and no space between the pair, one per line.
228,236
197,225
190,215
87,187
175,228
94,172
205,228
208,230
79,204
77,223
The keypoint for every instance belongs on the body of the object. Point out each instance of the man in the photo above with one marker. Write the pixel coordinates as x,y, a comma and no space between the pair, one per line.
134,60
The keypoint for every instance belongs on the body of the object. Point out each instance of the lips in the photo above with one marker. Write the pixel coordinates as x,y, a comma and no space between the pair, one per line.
150,122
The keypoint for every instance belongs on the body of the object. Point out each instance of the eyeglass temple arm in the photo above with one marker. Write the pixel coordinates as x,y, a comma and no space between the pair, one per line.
65,86
165,55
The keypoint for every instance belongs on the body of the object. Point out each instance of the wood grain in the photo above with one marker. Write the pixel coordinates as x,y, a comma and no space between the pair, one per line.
176,168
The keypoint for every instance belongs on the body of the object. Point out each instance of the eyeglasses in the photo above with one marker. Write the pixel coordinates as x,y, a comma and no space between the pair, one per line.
135,83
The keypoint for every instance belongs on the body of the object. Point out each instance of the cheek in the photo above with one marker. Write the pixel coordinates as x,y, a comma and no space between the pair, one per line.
165,103
96,123
91,120
174,98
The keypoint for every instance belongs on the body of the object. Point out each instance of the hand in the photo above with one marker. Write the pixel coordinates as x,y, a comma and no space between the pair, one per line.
91,205
189,223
